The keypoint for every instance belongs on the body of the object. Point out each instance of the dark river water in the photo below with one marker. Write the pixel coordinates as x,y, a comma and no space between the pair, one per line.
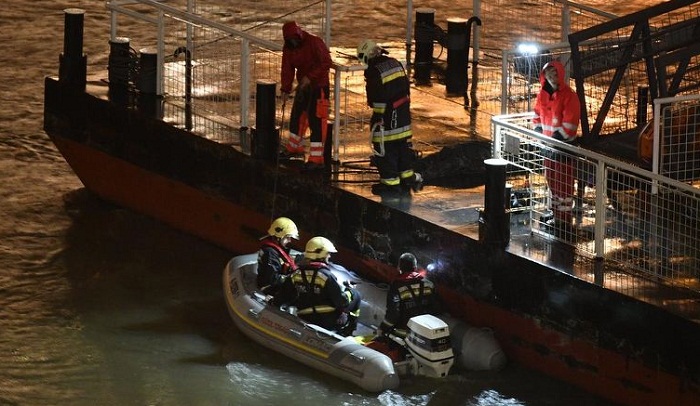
102,306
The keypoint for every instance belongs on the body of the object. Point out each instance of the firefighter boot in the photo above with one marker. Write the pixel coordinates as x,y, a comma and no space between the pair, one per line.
417,185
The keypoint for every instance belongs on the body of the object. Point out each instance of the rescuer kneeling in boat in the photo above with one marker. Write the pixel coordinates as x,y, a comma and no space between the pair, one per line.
388,91
307,56
410,294
274,260
316,293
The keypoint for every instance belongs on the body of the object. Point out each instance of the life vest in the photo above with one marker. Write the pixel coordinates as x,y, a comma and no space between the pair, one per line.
287,259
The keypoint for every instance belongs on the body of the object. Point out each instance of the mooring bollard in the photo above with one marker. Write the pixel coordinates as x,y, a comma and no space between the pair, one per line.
265,134
457,57
494,220
147,80
425,24
72,68
147,83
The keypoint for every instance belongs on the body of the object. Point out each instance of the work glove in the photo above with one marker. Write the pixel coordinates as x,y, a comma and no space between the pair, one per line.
342,319
538,128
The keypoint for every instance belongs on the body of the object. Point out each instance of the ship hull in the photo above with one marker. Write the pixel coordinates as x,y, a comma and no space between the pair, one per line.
612,345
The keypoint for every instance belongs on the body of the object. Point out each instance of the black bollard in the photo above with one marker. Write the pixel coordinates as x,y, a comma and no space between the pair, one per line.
119,64
119,70
147,83
494,221
457,57
72,62
423,62
265,134
147,80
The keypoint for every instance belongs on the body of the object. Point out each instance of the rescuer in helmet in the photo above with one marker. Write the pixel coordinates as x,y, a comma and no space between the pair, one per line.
388,92
316,293
274,260
307,57
410,294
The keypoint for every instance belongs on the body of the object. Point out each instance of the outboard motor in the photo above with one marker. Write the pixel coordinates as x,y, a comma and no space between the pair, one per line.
428,341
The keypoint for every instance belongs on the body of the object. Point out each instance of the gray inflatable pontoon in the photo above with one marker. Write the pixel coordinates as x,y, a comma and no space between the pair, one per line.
345,357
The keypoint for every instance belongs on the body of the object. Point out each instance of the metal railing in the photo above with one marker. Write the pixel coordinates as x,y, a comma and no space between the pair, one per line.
640,220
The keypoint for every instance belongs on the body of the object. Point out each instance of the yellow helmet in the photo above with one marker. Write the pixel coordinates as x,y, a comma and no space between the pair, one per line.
367,50
283,227
319,248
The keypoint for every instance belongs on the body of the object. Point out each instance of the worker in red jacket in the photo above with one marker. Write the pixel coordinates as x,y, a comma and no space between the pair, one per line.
557,115
306,57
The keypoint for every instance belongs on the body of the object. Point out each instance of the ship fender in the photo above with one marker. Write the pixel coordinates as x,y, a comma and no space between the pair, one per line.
475,348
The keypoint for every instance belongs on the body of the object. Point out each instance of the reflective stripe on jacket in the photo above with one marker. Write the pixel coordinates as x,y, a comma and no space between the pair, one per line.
558,110
388,91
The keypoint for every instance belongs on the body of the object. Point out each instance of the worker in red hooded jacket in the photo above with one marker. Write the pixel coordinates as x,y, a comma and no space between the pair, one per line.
307,57
557,115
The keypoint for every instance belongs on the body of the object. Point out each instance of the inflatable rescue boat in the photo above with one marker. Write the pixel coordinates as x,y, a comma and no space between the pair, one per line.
430,347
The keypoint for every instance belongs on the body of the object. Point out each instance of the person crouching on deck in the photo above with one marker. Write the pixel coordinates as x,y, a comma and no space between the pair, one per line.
306,56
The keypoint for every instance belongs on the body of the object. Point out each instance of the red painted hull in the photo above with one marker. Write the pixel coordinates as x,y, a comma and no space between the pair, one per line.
528,334
611,375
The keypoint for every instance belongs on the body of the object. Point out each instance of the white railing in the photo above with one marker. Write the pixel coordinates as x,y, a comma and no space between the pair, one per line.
624,214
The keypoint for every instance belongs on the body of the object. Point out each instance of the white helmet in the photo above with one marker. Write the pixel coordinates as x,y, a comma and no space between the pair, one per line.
283,227
367,50
319,248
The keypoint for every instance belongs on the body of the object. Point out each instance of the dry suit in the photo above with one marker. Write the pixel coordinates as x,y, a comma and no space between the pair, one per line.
557,114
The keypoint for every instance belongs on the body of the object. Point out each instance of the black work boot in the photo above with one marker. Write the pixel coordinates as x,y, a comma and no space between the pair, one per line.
382,189
415,183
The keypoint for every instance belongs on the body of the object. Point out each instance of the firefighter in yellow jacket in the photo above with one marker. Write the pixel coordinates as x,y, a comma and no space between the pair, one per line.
388,94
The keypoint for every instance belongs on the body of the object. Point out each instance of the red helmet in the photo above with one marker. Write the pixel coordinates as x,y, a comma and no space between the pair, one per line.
291,30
